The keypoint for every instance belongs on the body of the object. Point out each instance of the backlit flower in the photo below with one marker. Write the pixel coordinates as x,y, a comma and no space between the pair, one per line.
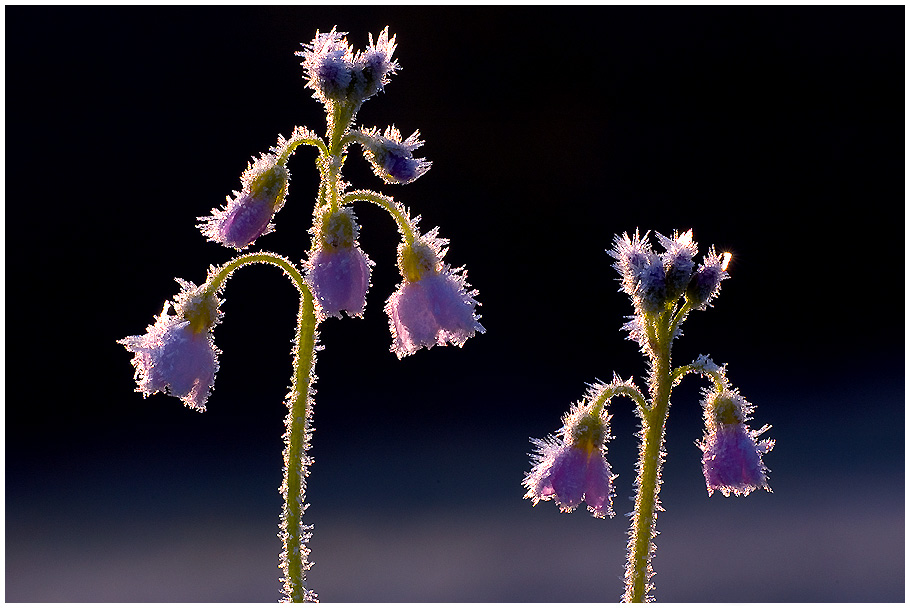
338,271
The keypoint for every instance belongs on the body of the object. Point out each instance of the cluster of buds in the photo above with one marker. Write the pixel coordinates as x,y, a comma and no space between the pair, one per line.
571,466
177,355
732,454
338,75
655,282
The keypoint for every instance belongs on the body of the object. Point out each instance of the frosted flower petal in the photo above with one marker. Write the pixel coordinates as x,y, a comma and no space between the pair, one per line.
339,279
732,460
172,358
434,310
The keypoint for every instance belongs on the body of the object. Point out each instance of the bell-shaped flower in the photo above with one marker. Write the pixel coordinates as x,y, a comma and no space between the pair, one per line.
732,454
338,271
177,354
248,215
391,158
433,304
572,467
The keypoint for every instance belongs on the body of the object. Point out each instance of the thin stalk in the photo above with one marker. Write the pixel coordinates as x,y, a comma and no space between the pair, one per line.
644,519
294,534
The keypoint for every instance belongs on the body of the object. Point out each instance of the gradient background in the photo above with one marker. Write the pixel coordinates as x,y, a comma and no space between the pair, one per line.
776,133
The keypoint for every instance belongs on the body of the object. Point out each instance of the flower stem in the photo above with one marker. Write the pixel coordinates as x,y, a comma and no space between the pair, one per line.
394,209
294,534
644,518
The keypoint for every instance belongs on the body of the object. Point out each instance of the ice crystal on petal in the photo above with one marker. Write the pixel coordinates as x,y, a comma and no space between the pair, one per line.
171,357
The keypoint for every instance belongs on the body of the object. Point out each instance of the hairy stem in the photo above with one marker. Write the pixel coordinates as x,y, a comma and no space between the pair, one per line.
294,534
644,518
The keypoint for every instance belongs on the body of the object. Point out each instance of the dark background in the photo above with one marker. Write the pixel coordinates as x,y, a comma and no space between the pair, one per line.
776,133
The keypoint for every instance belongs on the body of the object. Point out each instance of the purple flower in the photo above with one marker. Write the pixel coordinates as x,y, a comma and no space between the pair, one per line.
391,158
433,310
573,468
677,261
641,271
338,271
732,457
172,357
249,213
339,279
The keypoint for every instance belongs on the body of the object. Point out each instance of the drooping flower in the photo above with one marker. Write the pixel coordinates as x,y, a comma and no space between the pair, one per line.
177,354
433,304
248,215
338,270
572,467
391,158
732,454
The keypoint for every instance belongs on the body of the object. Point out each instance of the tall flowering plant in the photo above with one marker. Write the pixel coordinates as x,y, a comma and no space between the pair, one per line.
433,305
571,466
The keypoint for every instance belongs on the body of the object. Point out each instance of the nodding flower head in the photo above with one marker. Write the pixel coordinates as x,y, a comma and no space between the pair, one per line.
338,271
572,467
177,353
391,158
641,271
336,75
433,304
705,283
732,454
248,215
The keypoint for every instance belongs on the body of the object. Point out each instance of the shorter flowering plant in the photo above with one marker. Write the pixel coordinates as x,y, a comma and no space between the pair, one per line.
571,467
434,305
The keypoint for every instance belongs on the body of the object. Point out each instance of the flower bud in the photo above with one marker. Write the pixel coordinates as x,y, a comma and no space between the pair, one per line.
705,283
391,158
677,262
249,213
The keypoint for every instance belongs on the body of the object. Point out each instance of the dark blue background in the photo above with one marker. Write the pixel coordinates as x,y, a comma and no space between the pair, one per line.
774,132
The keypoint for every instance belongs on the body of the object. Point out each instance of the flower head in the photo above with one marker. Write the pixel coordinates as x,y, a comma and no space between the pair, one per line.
572,467
641,271
705,283
373,66
337,75
432,305
249,213
732,454
391,158
338,271
677,262
177,353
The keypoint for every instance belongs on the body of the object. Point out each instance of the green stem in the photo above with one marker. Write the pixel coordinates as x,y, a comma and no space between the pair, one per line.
405,226
294,533
644,519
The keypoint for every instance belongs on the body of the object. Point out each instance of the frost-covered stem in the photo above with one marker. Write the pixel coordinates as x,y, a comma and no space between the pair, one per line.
294,534
394,209
644,517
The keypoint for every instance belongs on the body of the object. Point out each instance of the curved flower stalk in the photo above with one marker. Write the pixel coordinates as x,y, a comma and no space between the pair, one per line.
433,306
664,288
